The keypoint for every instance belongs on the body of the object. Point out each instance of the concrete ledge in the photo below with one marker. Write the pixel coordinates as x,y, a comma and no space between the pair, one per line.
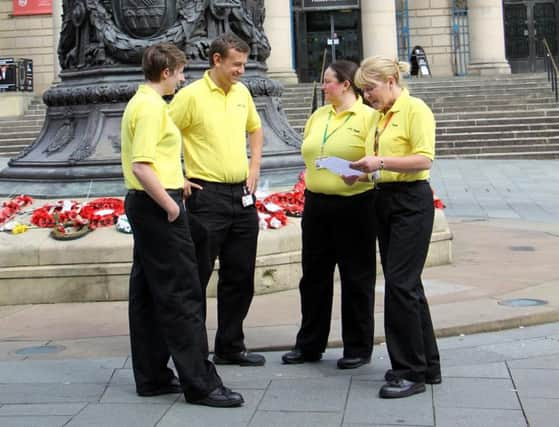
35,269
14,104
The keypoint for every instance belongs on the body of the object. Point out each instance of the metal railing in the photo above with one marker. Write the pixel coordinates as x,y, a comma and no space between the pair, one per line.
315,103
550,68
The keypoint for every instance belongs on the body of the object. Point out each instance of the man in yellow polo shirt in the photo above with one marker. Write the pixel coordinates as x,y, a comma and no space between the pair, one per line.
214,115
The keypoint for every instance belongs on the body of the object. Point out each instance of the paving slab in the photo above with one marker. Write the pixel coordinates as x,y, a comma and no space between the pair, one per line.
476,417
540,412
181,414
118,415
363,409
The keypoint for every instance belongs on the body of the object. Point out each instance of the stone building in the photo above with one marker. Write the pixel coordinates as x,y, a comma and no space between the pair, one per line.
459,36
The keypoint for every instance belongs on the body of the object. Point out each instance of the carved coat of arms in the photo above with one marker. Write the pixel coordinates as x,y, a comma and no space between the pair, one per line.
144,18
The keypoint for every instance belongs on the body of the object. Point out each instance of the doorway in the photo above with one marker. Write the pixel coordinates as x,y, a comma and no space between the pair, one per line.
527,22
323,35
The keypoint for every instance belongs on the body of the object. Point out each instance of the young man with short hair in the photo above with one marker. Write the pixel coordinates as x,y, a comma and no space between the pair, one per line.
165,298
214,115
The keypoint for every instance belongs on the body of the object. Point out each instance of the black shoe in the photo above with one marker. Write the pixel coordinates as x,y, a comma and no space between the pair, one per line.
400,388
296,356
352,362
243,358
173,386
221,397
429,379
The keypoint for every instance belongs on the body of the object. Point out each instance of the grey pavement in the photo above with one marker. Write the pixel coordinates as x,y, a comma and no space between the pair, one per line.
506,378
504,216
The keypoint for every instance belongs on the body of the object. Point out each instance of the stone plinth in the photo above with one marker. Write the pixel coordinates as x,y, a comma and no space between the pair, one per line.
35,269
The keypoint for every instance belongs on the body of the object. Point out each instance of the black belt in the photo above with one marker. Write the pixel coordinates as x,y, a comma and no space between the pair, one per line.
364,194
398,185
217,185
172,192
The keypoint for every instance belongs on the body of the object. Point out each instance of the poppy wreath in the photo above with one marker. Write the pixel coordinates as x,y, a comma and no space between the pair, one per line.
102,212
292,202
11,207
71,220
437,202
59,213
272,215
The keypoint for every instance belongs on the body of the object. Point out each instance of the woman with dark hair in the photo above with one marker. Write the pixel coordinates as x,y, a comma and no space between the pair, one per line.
337,227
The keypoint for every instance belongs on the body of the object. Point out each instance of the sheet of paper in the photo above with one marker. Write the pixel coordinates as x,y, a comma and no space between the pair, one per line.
337,165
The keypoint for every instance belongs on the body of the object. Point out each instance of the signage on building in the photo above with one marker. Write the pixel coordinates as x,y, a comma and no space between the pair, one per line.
32,7
16,74
325,4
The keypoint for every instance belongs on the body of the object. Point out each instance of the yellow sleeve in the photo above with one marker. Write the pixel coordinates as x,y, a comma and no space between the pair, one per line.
308,125
422,131
180,109
146,133
253,119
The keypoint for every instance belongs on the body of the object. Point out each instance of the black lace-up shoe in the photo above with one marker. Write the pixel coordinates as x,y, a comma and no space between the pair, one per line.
243,358
400,388
221,397
173,386
352,362
429,379
296,356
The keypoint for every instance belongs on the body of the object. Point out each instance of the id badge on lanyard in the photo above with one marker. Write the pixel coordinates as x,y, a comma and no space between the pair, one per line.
325,137
247,198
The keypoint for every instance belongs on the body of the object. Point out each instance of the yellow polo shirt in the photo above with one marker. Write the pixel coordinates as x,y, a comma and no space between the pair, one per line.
410,129
149,135
346,135
214,126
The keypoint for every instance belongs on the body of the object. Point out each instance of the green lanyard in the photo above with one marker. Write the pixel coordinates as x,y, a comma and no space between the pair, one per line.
325,137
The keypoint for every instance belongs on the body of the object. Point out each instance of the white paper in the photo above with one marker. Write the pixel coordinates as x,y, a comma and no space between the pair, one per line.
337,165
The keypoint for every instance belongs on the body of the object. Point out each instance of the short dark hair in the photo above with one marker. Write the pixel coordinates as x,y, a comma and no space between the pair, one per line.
159,56
345,70
222,43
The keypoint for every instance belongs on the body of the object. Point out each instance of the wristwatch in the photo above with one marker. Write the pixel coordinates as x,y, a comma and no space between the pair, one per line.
381,165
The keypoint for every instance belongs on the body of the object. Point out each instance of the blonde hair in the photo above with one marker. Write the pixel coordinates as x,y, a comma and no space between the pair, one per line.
380,68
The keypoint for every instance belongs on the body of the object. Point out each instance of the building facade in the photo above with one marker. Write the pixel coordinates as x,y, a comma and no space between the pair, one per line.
459,37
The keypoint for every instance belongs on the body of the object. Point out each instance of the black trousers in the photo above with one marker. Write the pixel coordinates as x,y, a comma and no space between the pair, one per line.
405,215
165,301
232,234
338,230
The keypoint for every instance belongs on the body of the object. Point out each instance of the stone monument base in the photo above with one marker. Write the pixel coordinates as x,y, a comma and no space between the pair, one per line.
35,269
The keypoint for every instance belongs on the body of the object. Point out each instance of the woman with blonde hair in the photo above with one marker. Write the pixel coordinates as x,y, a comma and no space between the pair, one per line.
401,150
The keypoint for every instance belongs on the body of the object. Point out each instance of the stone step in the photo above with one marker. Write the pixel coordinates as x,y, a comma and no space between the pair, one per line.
484,142
487,80
482,100
520,127
499,149
17,135
29,117
489,94
544,133
534,155
17,141
467,115
493,121
483,108
33,124
10,150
